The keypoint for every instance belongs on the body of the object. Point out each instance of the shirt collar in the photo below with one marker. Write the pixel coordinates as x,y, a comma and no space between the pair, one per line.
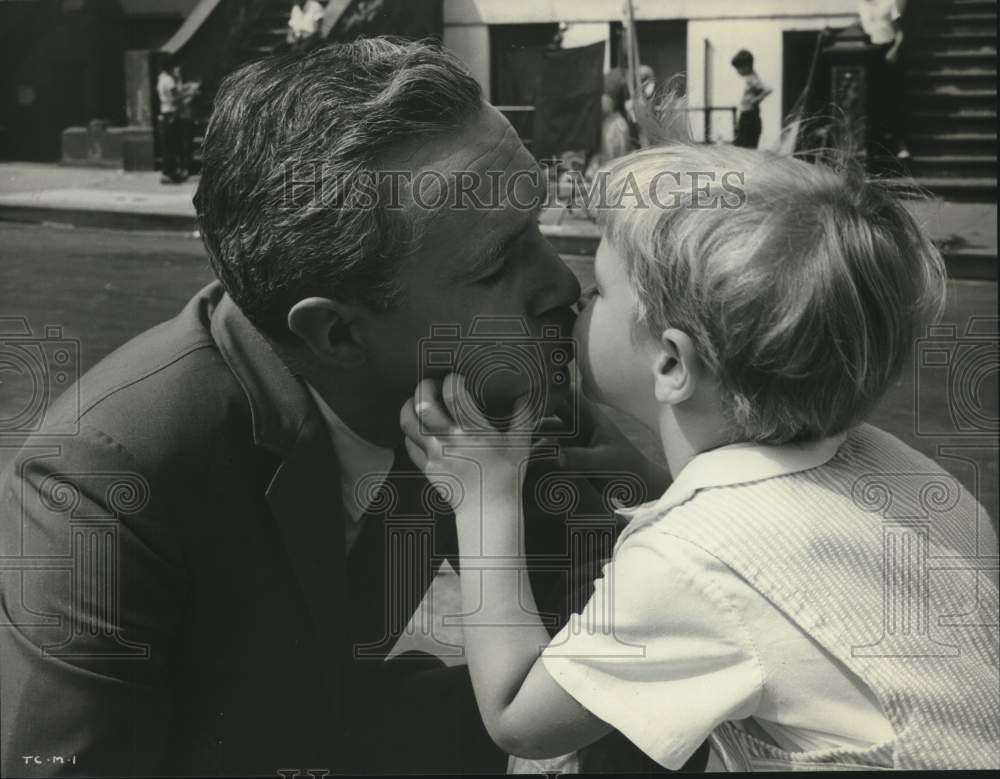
358,457
729,465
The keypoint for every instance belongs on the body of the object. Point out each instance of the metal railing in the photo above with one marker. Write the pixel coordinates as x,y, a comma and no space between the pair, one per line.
707,111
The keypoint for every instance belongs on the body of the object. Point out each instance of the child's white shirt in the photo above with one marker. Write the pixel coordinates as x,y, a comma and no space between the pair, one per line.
673,642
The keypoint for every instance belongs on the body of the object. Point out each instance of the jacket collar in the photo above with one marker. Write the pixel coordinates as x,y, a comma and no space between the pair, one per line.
303,494
279,401
730,465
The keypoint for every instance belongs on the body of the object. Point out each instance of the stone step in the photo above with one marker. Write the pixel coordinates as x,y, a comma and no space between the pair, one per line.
947,95
982,17
979,7
949,142
937,71
959,189
953,166
964,24
942,46
969,38
983,55
962,120
965,78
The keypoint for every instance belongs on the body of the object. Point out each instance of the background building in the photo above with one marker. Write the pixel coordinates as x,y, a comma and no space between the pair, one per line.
693,37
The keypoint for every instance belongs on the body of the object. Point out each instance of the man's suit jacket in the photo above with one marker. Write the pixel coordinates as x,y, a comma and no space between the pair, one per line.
174,596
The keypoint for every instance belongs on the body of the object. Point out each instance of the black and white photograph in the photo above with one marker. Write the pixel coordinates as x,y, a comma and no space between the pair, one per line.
487,387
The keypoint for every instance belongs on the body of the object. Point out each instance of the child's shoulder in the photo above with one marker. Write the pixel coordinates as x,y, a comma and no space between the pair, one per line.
870,444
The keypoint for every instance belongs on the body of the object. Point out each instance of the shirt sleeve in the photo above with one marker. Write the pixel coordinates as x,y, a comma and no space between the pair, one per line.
658,652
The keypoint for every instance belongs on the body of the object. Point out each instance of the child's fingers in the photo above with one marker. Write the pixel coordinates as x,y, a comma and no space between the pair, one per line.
429,411
412,427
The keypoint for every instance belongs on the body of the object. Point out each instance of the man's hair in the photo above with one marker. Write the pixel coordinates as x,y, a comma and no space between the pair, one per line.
802,286
743,59
291,151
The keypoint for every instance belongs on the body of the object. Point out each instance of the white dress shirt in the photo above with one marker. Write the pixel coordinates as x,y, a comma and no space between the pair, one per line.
358,460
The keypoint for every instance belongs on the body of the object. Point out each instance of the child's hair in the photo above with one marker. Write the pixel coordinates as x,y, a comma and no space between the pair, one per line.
743,59
803,286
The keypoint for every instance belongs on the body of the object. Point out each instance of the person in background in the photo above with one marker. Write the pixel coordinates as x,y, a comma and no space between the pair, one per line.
168,124
647,88
615,141
186,93
748,125
304,25
881,21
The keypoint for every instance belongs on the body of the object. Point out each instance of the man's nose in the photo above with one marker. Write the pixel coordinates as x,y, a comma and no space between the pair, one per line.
561,289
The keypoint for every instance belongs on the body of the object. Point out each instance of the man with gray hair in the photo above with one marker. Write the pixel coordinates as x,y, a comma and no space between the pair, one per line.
255,587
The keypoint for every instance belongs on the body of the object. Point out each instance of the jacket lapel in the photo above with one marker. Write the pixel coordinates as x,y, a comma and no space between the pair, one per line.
304,494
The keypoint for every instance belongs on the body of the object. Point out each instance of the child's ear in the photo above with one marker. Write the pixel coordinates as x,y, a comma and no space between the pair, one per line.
675,367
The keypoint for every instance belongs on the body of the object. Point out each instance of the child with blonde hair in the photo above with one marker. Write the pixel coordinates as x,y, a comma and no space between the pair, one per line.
809,592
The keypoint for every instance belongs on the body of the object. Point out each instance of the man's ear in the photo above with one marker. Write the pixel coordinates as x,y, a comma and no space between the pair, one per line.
326,328
676,367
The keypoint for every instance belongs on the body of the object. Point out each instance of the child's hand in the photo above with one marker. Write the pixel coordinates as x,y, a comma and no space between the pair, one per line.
602,450
455,439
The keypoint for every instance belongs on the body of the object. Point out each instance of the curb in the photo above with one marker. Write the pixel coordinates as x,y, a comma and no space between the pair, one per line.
88,217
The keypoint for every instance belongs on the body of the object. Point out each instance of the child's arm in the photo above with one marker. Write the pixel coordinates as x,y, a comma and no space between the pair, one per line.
525,711
760,90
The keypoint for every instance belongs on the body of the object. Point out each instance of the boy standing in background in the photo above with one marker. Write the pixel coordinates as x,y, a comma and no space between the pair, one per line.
748,126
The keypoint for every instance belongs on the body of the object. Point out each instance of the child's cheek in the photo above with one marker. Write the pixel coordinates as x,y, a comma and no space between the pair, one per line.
581,334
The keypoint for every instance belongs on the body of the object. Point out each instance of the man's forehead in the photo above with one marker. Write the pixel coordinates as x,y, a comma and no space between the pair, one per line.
464,190
486,142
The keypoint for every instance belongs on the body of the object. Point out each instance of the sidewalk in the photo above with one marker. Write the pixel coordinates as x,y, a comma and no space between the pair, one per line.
93,197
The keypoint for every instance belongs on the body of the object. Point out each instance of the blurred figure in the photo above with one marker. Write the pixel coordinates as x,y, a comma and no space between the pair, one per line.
187,91
304,25
748,124
647,88
614,136
168,125
882,22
